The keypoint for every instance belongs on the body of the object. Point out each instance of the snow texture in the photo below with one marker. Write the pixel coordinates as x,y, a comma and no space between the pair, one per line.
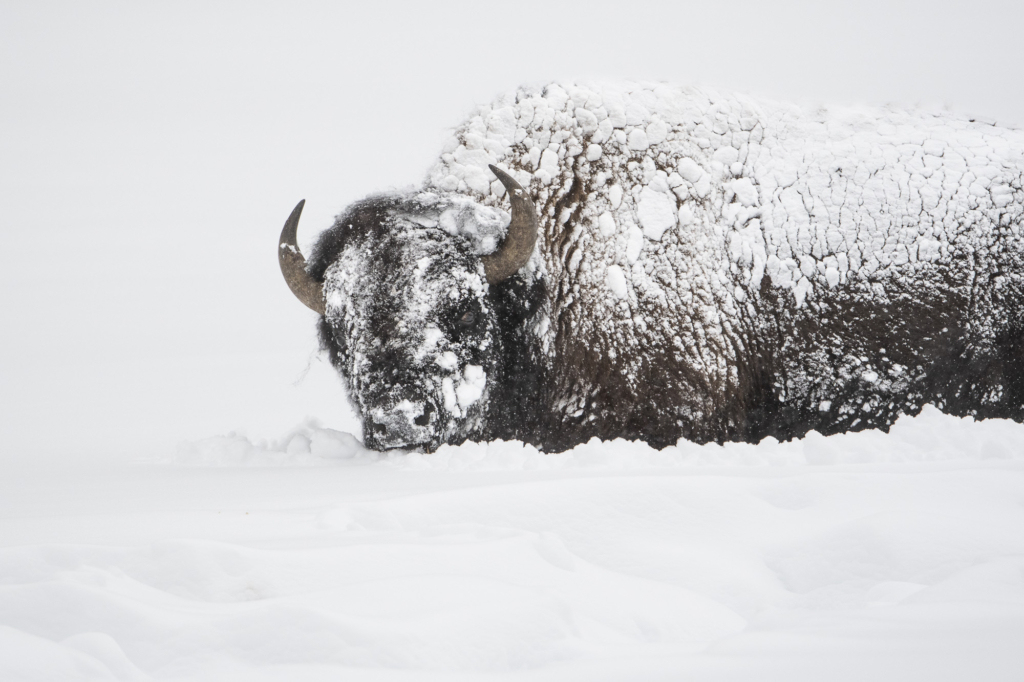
859,556
808,198
704,226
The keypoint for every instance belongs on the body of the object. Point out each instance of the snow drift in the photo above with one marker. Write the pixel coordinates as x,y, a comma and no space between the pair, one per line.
860,556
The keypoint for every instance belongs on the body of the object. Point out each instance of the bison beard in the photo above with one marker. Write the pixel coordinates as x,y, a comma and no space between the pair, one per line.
708,267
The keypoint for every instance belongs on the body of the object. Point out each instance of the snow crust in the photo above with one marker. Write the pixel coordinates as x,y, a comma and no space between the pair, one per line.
804,196
708,217
930,437
857,556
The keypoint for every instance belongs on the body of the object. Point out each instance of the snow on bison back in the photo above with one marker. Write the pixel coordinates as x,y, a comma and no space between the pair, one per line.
679,263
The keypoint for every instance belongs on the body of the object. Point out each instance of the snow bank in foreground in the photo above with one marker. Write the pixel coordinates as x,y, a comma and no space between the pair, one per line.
310,558
928,437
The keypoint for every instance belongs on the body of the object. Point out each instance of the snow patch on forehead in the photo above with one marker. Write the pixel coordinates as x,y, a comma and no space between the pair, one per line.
432,336
436,277
422,265
480,227
470,282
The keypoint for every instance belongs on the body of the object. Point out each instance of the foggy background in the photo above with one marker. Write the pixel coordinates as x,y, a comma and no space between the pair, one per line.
150,153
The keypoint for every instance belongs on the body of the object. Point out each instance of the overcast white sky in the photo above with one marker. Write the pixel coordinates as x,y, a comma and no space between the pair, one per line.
149,154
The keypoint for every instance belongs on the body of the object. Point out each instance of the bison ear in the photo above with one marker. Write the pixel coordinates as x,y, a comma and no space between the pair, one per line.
293,265
521,237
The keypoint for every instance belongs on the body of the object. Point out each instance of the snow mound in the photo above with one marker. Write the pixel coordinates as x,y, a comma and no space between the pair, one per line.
863,556
306,445
930,436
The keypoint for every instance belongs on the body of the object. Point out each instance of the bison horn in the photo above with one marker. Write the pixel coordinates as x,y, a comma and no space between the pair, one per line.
521,237
293,265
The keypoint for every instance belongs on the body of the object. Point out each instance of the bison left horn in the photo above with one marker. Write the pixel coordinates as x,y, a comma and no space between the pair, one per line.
293,265
521,237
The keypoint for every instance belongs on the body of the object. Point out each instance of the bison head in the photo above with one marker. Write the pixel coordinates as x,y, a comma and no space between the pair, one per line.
403,289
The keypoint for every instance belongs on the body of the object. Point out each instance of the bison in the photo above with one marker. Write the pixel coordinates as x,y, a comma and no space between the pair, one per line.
678,263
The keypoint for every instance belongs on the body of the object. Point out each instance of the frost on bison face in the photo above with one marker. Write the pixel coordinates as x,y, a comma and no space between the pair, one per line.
678,263
408,322
406,315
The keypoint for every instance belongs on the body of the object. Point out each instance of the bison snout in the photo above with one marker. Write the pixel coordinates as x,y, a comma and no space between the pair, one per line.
407,424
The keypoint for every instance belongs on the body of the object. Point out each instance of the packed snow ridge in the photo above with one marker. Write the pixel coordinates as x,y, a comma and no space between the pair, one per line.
862,556
929,437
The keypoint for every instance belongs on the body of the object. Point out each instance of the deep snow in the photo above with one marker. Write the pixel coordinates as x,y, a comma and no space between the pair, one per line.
859,556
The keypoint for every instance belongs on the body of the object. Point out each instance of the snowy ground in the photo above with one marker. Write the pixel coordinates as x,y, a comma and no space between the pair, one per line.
863,556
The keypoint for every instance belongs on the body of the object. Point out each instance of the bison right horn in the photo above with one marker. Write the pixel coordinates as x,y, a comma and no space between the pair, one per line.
521,237
293,265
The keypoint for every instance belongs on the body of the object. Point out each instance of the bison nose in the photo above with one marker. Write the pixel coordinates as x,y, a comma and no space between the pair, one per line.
424,418
406,423
380,421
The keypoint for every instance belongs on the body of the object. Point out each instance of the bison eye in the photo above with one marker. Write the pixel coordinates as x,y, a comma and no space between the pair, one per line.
466,319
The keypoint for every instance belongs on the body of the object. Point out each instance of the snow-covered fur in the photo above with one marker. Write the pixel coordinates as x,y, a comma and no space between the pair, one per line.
709,266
